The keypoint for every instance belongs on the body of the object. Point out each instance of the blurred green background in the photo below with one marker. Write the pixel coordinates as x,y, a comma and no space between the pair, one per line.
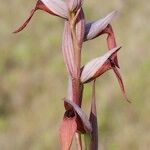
33,78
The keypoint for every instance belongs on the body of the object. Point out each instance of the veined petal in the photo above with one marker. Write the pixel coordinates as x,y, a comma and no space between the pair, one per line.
39,6
57,6
81,114
67,48
92,67
93,29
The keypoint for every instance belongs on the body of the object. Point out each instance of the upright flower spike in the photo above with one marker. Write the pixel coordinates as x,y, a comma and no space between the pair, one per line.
75,33
53,7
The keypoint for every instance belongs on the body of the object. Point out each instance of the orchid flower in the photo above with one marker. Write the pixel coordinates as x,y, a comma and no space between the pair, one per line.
97,28
53,7
76,31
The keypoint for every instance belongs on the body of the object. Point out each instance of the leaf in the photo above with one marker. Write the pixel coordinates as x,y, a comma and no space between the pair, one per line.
81,114
93,120
67,48
119,78
67,132
94,29
92,67
80,27
40,6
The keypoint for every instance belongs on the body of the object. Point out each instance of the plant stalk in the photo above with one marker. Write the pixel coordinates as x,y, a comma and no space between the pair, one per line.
77,59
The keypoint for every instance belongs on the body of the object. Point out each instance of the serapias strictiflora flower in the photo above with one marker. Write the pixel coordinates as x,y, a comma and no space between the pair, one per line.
97,66
75,33
111,42
58,8
97,28
53,7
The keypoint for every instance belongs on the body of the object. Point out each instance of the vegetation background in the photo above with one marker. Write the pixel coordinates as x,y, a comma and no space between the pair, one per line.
33,78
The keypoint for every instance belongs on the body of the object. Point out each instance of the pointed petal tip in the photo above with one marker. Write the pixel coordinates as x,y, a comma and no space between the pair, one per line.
119,78
113,51
112,14
19,29
81,114
26,22
118,48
